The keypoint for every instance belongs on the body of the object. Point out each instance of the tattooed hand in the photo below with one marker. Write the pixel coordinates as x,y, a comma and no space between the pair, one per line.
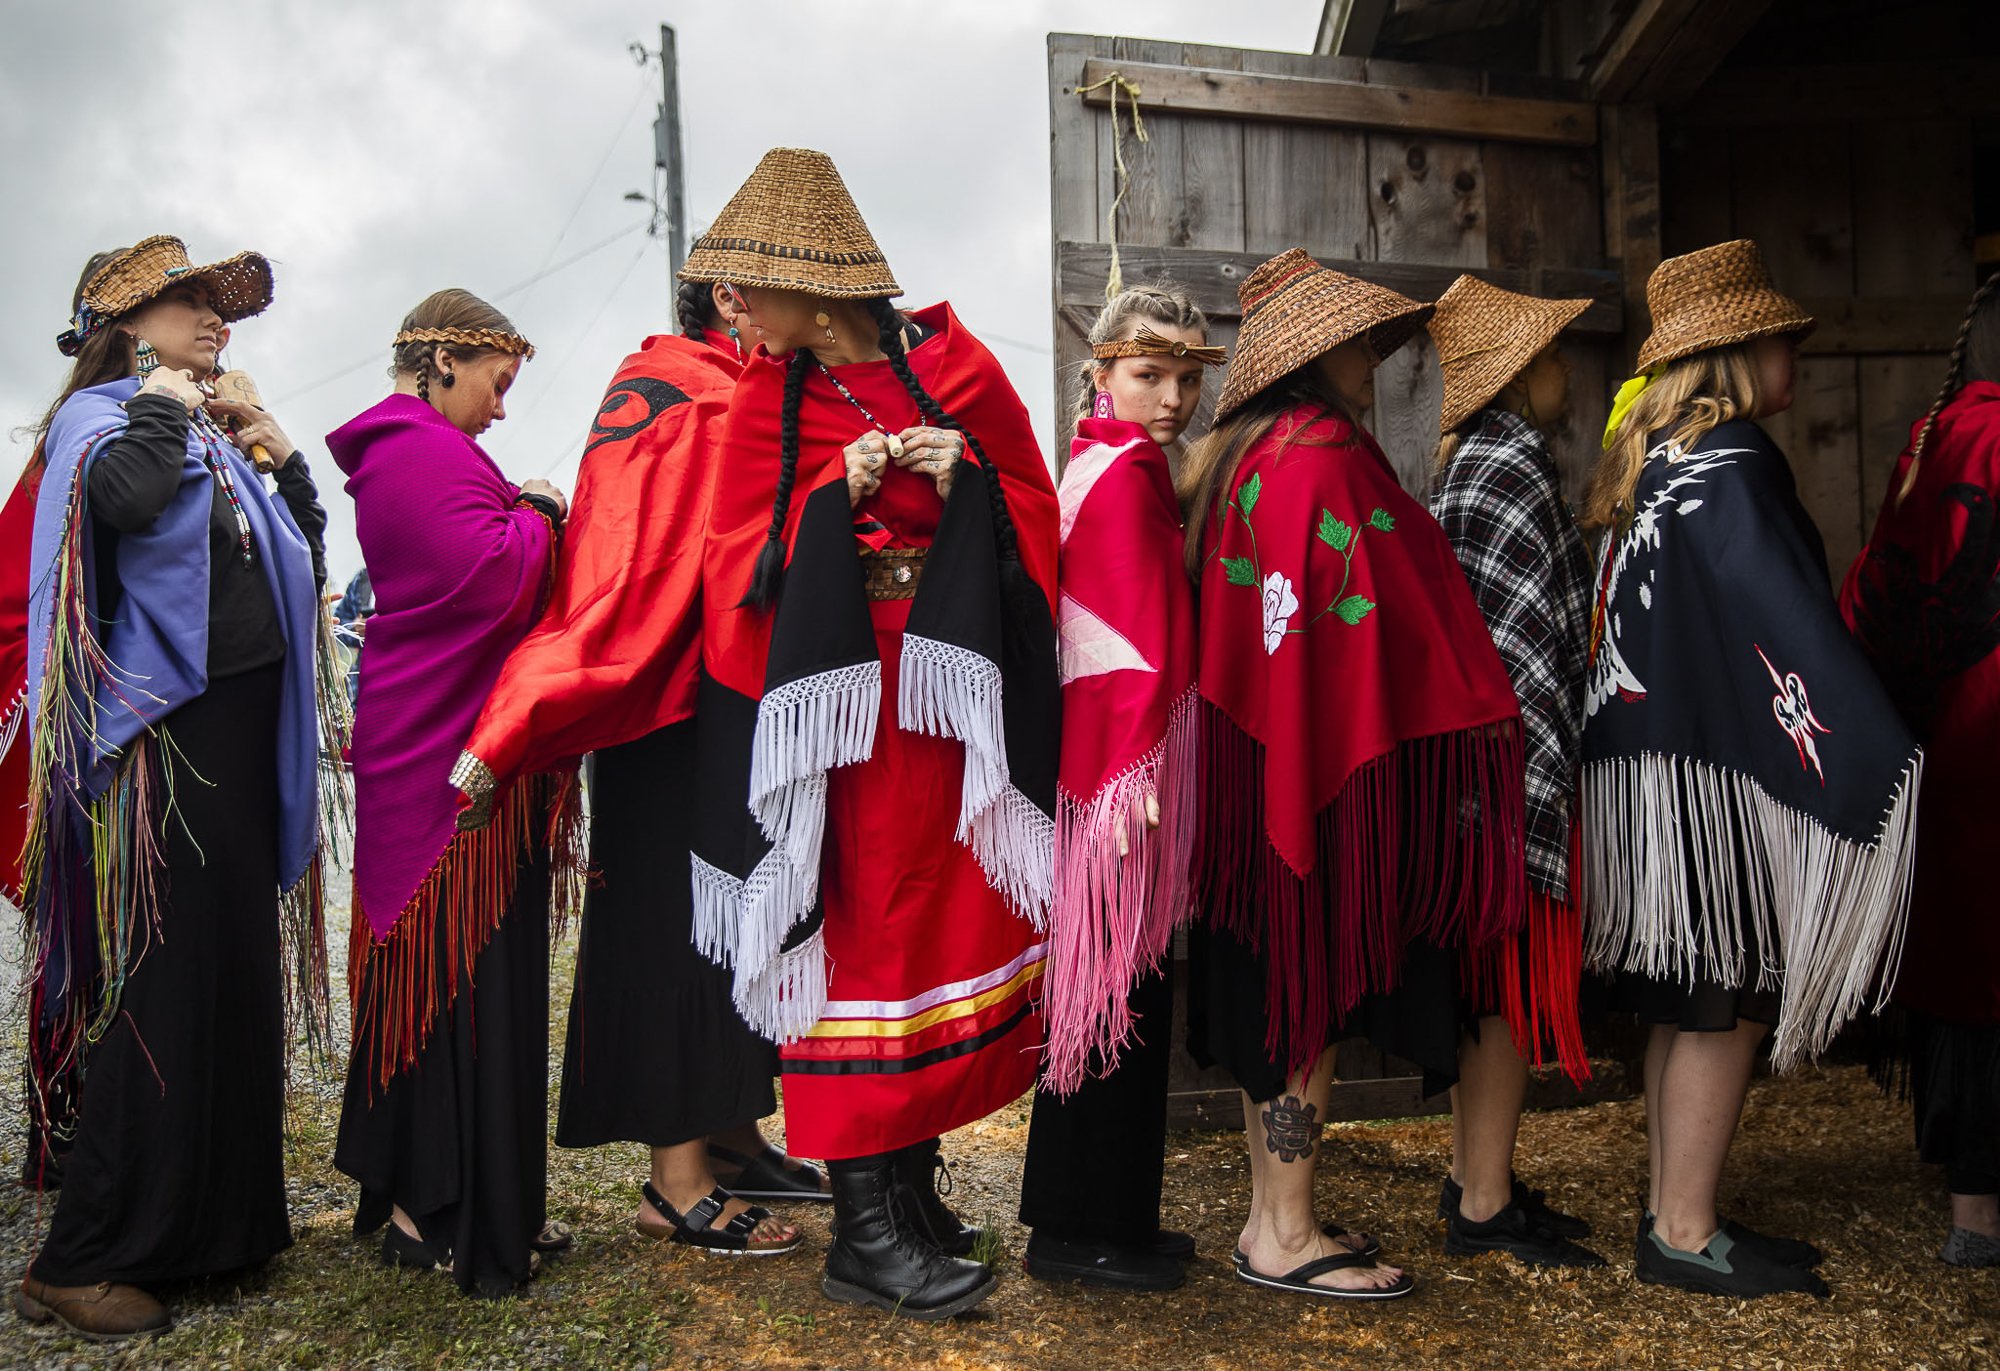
1291,1128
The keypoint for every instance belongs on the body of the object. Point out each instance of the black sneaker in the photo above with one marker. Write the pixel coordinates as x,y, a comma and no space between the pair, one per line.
1104,1264
1790,1251
1169,1242
1533,1203
1512,1231
1724,1267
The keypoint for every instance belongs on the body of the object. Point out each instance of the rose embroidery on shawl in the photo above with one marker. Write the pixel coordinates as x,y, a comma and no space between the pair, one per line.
1279,607
1280,603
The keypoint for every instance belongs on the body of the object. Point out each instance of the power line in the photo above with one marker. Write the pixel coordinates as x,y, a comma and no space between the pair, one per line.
590,185
512,290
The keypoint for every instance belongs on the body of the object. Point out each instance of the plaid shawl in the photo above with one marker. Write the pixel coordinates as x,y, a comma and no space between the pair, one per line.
1500,502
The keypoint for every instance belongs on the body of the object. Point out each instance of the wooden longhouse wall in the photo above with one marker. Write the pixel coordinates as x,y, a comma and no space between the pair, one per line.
1559,147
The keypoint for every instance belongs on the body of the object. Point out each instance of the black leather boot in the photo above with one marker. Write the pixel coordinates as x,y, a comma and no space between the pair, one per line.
882,1255
919,1166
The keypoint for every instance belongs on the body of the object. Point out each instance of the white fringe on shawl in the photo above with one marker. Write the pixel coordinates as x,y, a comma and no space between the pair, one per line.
805,728
950,692
1114,913
1828,923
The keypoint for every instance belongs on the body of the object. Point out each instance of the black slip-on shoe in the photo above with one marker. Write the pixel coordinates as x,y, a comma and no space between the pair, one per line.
1513,1232
1724,1267
1169,1242
1101,1263
1533,1203
1790,1251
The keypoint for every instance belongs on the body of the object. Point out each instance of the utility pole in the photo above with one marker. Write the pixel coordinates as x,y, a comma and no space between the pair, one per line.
667,151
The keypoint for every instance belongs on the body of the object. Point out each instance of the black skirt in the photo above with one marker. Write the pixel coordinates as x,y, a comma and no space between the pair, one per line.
1703,1007
177,1171
1096,1159
1955,1083
1228,1027
656,1053
460,1140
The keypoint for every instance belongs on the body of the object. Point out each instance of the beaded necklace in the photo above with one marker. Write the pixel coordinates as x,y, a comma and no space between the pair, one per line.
848,396
218,466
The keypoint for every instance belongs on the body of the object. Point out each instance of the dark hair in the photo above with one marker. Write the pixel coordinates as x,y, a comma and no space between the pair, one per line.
107,355
1209,469
449,308
1978,343
694,307
766,580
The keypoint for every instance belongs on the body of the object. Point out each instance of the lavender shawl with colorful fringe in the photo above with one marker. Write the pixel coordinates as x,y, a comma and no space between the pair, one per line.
98,692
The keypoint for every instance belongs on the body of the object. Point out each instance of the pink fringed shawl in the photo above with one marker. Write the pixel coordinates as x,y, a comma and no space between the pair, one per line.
1126,639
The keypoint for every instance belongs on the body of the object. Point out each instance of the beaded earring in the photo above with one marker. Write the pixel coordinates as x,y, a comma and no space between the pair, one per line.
147,360
450,380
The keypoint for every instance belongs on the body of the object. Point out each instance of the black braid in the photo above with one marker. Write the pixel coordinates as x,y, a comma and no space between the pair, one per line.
1954,378
694,305
769,576
890,323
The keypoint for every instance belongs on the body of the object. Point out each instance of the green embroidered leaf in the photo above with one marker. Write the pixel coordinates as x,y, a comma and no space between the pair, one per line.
1382,520
1239,571
1354,608
1333,533
1247,496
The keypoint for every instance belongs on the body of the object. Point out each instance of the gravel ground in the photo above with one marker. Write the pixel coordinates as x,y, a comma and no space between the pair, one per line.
1822,1155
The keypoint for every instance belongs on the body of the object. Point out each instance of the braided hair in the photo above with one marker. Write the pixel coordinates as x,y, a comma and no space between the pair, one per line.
1954,378
890,322
694,307
769,573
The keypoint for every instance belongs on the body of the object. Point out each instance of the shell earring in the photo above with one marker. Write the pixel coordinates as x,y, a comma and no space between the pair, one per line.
825,321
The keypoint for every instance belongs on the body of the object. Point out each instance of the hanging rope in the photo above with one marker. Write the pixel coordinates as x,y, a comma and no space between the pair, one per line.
1114,282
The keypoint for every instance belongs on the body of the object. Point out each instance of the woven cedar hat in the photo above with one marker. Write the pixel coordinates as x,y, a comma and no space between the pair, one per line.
793,226
1484,336
1713,298
1294,310
238,286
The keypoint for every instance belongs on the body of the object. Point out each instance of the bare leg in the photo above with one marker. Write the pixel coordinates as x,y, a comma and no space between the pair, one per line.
1980,1213
1657,1047
1702,1088
1283,1233
1486,1118
681,1173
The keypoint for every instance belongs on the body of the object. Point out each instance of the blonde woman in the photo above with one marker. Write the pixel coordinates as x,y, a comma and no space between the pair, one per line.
1748,790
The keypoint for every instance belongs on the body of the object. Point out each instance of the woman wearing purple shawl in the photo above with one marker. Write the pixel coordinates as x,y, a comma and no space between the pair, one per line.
175,726
445,1118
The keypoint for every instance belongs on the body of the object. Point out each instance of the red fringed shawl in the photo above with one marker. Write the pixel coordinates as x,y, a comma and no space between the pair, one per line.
1362,770
617,653
1924,600
1126,643
17,530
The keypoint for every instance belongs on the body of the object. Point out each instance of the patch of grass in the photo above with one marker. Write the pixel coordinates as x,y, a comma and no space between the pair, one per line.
991,1249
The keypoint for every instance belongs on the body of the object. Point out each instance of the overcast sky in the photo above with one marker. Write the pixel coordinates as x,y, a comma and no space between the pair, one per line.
378,151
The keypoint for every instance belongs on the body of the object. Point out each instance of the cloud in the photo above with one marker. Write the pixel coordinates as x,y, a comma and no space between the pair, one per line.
378,151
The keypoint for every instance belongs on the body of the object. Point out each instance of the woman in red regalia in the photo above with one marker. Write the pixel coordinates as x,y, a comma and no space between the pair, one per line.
1361,814
873,853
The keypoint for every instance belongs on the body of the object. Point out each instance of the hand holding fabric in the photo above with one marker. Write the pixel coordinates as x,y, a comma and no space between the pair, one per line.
864,457
176,382
933,452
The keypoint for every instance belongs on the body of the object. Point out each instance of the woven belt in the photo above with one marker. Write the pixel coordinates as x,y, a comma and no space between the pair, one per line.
892,573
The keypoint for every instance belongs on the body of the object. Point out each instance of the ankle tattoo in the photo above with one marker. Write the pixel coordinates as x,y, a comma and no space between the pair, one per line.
1291,1128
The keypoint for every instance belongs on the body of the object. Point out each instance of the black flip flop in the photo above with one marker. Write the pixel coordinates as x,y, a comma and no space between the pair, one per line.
1299,1279
765,1176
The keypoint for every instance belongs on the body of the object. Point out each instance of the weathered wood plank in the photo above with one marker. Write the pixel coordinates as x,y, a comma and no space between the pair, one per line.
1695,188
1212,278
1074,212
1349,28
1632,204
1409,394
1869,324
1429,200
1668,48
1152,212
1892,94
1212,166
1824,446
1913,210
1635,46
1350,104
1333,219
1895,393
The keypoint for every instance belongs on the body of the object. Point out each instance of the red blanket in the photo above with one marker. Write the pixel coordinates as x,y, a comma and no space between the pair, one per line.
1364,767
617,653
1126,639
17,526
1924,601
